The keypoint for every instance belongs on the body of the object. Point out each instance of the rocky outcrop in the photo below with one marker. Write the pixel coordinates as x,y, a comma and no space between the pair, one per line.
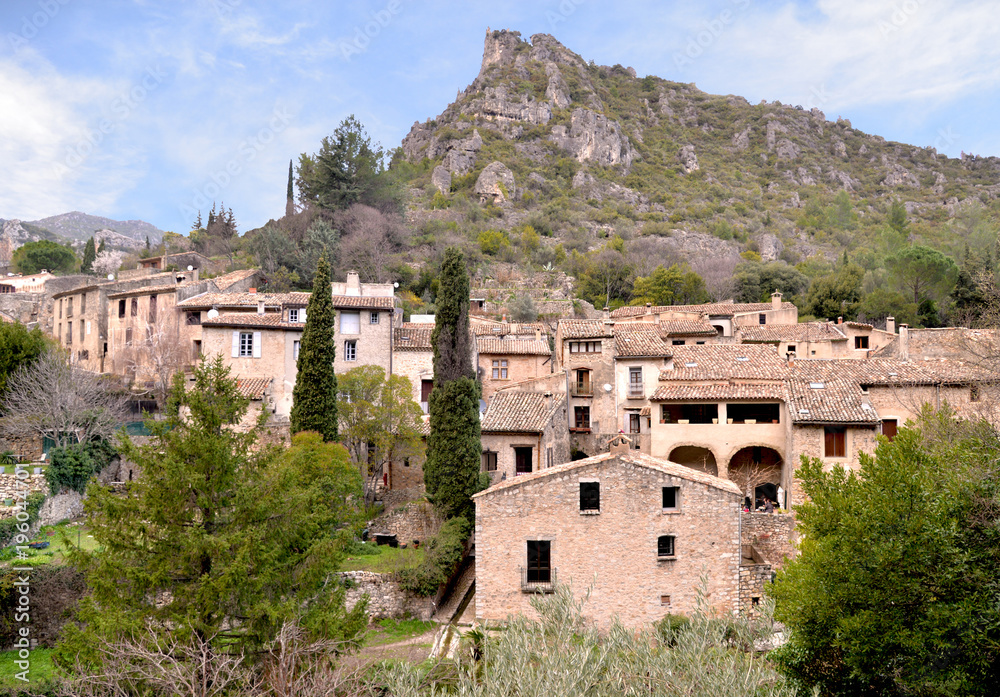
495,184
594,137
741,140
786,149
441,179
689,161
557,91
769,246
899,176
773,129
497,105
699,245
461,157
499,48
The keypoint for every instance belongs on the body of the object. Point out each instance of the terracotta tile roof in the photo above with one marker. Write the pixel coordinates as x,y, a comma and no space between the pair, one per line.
834,400
519,412
227,279
253,388
891,371
584,328
633,458
491,345
640,339
726,362
412,337
507,328
808,331
148,290
364,302
686,327
719,309
859,325
720,392
645,411
247,300
268,320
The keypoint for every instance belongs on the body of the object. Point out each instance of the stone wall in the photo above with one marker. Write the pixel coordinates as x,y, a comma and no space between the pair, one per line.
415,520
10,485
753,580
772,534
385,598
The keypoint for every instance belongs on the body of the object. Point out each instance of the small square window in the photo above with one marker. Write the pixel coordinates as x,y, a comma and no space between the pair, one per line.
590,496
677,342
293,315
671,497
755,600
861,342
791,348
665,546
665,600
373,319
351,350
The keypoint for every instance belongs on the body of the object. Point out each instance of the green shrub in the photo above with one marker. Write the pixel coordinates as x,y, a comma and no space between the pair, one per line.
72,466
443,553
492,242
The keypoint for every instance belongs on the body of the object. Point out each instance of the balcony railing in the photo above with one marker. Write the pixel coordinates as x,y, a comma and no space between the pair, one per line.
538,586
636,390
582,389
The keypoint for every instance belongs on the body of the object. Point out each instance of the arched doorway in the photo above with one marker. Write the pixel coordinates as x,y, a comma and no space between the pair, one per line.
692,456
757,468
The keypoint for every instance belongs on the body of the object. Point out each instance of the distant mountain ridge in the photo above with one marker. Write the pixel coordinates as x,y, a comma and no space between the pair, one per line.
79,227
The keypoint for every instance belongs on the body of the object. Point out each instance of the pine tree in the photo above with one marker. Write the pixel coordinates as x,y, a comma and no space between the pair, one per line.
451,471
89,254
314,398
101,247
290,193
197,222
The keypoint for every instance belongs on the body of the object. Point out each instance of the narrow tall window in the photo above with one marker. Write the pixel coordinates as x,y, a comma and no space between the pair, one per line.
835,441
296,345
134,311
762,318
69,307
121,308
350,350
83,303
539,561
152,309
633,423
489,461
373,318
665,546
590,496
889,428
246,344
582,417
670,498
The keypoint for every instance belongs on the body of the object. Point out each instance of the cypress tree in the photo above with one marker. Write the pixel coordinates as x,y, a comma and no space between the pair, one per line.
451,471
314,398
290,194
89,254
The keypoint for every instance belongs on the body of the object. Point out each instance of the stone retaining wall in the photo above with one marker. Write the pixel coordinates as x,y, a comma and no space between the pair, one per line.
9,486
773,534
385,598
415,520
753,579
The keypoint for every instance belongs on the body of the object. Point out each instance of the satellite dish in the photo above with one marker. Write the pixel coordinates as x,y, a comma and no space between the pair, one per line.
111,277
607,387
190,268
395,284
213,313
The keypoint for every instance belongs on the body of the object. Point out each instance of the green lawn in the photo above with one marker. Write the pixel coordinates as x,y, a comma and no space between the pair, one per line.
381,559
55,552
391,631
41,668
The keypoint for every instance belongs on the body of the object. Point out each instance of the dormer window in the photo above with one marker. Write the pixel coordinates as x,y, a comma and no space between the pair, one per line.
293,315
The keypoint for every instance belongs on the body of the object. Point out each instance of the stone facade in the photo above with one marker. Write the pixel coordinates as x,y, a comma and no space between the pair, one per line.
615,551
772,535
363,331
385,598
413,520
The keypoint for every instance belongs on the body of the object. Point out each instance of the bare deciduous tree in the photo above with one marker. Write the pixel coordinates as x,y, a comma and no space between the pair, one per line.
751,475
51,398
717,272
370,239
158,356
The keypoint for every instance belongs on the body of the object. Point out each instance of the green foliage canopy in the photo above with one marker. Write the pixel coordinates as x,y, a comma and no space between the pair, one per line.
18,346
677,285
32,257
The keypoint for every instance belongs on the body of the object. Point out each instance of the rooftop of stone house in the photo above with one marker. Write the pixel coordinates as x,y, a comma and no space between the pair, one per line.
364,302
228,279
245,300
520,412
671,392
585,328
630,458
491,345
685,327
893,371
726,362
252,388
714,309
412,337
805,332
836,400
267,320
491,328
640,340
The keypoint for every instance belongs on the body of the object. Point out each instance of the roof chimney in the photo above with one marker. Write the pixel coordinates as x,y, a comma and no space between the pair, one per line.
538,334
252,290
607,312
353,283
890,325
904,342
260,307
776,300
840,320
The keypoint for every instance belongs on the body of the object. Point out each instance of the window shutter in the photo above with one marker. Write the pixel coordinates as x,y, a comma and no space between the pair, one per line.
256,344
236,344
302,315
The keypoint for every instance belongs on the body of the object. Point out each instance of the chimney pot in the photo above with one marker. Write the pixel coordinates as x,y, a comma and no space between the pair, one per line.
890,325
840,320
260,307
253,290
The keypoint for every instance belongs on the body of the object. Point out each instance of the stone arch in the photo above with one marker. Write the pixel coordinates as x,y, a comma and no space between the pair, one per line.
696,457
759,466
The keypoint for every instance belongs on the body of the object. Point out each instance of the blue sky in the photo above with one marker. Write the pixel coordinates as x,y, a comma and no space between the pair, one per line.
150,109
